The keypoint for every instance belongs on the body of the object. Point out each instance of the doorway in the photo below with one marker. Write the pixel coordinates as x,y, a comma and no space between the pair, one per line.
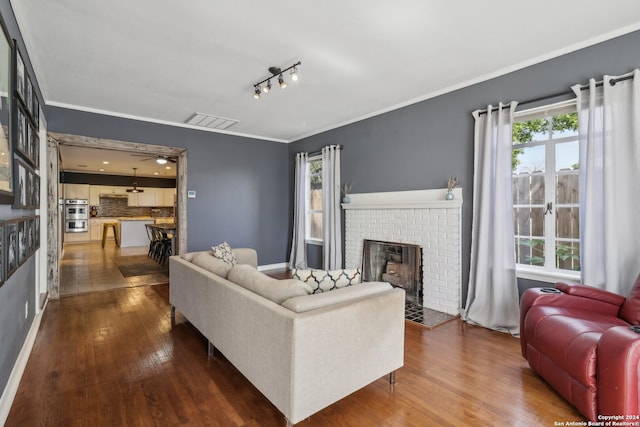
144,151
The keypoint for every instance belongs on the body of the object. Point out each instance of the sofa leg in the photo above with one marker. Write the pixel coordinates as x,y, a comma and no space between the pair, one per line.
173,316
211,350
392,377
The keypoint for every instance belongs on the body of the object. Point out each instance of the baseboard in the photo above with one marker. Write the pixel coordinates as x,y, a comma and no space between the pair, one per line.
272,266
10,390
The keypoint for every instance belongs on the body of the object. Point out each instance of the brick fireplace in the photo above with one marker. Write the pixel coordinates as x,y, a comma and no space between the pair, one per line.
423,218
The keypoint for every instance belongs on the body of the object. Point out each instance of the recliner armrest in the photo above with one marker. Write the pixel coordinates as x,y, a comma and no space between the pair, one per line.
618,378
590,292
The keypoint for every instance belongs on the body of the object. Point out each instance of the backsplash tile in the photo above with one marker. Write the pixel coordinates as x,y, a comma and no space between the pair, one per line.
114,207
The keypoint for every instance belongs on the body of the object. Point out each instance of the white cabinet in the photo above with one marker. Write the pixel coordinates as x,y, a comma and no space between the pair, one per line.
76,191
168,197
146,198
153,197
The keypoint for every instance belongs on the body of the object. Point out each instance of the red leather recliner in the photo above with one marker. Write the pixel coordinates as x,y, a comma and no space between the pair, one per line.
581,340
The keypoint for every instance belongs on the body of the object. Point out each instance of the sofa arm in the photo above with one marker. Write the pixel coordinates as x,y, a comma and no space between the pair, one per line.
591,293
246,256
618,379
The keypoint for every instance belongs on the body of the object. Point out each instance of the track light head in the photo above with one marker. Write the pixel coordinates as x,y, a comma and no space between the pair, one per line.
267,87
281,81
256,92
294,74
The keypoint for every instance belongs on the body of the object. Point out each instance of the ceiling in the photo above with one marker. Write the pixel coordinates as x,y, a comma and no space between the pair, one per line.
164,61
91,160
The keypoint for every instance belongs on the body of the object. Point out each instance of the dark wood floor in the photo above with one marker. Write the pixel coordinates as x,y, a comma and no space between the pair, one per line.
111,358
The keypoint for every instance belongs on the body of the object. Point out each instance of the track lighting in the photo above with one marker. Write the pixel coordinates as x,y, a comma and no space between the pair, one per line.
275,71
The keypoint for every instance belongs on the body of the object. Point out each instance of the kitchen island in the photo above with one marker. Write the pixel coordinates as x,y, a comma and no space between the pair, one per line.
133,231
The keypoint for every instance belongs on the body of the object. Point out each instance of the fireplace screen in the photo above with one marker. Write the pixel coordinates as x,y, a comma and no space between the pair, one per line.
397,263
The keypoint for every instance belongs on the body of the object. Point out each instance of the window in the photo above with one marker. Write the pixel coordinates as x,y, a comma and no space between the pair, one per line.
545,165
314,203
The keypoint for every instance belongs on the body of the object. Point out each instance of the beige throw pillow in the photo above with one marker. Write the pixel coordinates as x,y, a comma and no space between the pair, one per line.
259,283
211,263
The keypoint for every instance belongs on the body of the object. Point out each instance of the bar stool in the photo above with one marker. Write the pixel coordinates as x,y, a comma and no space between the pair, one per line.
105,231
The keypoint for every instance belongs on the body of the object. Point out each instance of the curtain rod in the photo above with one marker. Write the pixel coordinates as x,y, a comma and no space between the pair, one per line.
612,82
317,153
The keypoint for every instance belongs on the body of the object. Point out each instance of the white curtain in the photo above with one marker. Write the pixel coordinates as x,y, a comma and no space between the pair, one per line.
492,299
298,257
331,214
609,129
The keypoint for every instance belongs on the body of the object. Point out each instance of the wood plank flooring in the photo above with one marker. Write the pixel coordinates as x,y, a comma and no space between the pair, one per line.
111,358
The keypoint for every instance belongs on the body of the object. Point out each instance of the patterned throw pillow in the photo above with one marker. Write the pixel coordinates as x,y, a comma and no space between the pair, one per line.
223,251
323,280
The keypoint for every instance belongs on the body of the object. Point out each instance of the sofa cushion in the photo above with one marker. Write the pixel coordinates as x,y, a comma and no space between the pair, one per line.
257,282
211,263
311,302
223,251
630,310
188,256
327,280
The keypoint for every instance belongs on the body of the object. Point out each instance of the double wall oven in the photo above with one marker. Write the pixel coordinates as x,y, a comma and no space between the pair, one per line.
76,215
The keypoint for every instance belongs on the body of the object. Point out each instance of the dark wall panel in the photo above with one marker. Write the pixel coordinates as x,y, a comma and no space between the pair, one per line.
419,146
241,184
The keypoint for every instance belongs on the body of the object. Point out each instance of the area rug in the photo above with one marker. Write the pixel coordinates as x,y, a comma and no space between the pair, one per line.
139,265
425,316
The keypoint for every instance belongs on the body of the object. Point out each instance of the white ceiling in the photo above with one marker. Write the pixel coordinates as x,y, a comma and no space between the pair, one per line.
165,60
91,160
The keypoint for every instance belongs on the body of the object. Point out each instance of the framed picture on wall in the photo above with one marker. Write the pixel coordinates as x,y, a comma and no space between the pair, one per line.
27,93
34,190
2,252
6,109
23,179
20,73
22,240
37,231
11,247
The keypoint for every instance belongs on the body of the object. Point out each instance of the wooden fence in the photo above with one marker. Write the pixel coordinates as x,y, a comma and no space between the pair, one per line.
529,213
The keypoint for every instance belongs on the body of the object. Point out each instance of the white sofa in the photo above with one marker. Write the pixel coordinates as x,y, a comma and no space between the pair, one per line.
301,361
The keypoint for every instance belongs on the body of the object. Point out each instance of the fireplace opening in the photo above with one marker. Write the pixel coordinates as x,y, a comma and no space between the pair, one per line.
397,263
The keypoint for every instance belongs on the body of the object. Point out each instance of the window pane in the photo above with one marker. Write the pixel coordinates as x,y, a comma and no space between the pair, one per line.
568,255
528,188
567,221
565,125
315,167
530,251
529,221
532,130
315,225
315,201
529,159
567,182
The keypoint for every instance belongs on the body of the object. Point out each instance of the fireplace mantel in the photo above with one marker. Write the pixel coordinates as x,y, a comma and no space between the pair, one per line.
415,199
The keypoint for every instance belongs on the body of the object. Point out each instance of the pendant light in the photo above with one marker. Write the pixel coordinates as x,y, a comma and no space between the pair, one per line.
135,188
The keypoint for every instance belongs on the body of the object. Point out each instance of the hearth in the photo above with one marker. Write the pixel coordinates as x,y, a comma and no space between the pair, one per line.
397,263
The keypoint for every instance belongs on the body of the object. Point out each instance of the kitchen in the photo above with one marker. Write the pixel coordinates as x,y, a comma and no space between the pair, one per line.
108,193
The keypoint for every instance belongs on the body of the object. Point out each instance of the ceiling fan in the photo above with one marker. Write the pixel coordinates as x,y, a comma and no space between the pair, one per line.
161,160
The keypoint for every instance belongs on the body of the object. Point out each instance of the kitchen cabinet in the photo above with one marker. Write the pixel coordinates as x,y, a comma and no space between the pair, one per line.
168,197
153,197
76,191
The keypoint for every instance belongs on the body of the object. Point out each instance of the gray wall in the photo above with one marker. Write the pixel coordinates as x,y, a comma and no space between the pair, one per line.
20,288
241,183
419,146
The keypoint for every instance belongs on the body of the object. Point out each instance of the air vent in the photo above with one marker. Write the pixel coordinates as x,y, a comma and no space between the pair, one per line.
209,121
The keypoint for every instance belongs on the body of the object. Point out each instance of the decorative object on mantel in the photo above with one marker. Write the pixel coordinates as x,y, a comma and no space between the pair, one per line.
451,184
345,189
